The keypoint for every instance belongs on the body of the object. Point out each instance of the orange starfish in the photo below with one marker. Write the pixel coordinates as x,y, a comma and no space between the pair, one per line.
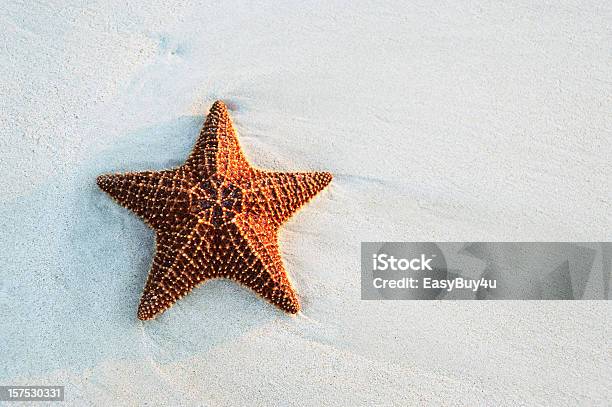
215,216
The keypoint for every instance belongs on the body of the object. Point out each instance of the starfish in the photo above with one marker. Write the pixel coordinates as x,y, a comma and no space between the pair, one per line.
215,216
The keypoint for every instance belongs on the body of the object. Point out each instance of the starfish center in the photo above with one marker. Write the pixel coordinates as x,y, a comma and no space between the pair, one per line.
218,201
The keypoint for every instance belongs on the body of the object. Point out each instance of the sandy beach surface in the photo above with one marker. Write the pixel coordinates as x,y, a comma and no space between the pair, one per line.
453,121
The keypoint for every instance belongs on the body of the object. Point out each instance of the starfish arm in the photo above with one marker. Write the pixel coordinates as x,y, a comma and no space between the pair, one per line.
178,267
217,150
153,196
280,194
265,273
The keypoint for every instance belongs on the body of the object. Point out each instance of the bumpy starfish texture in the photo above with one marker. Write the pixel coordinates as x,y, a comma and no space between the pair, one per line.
214,217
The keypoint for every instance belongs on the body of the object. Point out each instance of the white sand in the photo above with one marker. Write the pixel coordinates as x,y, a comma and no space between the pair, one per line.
479,121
